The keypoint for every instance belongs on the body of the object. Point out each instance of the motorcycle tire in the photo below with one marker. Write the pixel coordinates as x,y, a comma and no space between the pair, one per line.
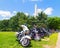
25,42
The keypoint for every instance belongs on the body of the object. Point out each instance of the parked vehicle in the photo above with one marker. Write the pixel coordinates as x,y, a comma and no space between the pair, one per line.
43,32
23,36
35,35
23,39
26,35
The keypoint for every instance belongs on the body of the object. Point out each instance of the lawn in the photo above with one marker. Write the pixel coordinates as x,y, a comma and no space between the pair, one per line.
8,40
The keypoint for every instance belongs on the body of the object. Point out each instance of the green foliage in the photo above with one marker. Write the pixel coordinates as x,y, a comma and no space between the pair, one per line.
4,24
54,22
42,18
13,24
17,20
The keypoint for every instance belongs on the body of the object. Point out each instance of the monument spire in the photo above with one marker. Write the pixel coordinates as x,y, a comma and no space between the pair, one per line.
35,13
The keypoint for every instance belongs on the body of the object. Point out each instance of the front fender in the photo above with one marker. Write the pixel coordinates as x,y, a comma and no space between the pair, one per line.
28,37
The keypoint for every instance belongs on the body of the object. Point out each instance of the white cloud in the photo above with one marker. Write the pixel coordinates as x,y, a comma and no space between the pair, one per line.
4,13
26,14
7,14
39,10
14,11
48,11
5,18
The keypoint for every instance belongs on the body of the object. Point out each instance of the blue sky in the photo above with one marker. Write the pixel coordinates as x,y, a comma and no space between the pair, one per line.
9,7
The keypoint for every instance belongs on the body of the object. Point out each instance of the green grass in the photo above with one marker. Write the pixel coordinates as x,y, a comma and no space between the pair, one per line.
8,40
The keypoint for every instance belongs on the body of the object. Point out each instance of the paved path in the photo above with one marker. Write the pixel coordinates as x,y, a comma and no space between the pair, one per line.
58,41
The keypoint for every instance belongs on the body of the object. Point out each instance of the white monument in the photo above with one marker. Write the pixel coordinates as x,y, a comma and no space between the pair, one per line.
37,10
35,13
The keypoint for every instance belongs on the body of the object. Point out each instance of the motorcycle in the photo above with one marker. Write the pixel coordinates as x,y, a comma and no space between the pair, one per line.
43,32
23,39
35,35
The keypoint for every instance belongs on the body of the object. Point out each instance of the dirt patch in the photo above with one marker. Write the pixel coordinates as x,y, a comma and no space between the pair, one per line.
58,41
47,46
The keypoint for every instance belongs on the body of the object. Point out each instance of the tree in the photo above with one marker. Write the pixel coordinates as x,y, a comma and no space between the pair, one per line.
54,22
42,18
4,25
13,24
17,20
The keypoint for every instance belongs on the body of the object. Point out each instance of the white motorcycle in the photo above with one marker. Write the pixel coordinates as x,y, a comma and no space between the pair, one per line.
23,39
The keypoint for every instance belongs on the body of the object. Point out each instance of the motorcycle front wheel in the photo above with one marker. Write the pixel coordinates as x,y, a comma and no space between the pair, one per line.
25,42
